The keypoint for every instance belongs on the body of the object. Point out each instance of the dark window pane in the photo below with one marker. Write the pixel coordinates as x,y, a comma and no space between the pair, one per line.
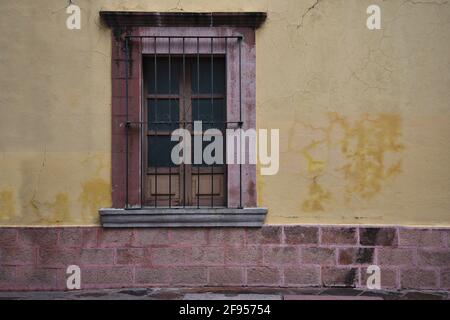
206,73
163,110
208,110
159,151
162,75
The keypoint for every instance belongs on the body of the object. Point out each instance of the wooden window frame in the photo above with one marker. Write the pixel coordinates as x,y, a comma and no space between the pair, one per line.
186,173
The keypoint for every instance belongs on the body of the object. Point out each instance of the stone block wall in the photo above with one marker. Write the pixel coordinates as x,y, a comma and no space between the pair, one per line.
272,256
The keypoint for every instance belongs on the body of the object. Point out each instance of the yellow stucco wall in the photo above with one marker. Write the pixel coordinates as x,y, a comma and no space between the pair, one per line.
363,115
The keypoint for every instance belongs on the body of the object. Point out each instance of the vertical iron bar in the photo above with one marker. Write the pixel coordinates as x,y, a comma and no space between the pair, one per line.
240,123
212,116
184,124
142,126
156,125
127,125
198,108
170,121
224,110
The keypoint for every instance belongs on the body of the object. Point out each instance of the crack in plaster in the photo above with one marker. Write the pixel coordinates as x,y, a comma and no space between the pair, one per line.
178,7
33,200
300,24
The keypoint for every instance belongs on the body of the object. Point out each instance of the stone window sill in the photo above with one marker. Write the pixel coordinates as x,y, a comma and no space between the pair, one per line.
182,217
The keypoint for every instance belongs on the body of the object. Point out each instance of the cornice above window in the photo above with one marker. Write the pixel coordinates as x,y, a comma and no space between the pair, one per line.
114,19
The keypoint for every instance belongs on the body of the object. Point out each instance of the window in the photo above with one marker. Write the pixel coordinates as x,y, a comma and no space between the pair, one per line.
170,70
179,91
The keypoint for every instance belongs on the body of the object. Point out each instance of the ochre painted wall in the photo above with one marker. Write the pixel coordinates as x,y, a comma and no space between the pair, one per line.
363,115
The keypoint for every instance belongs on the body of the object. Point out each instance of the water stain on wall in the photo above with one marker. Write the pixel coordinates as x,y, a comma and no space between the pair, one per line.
7,207
366,146
98,160
96,194
56,211
366,156
317,197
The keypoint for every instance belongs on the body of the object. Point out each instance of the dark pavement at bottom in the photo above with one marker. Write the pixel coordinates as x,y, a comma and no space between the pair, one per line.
225,294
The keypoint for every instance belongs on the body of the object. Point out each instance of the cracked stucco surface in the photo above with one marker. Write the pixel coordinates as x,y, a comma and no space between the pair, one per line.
363,115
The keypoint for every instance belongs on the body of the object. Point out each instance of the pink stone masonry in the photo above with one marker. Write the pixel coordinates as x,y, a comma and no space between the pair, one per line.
274,256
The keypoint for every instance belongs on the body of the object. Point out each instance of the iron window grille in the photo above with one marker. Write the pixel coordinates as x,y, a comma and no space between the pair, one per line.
226,42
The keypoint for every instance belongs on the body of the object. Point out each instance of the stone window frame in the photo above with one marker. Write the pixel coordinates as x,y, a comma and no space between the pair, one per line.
135,24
